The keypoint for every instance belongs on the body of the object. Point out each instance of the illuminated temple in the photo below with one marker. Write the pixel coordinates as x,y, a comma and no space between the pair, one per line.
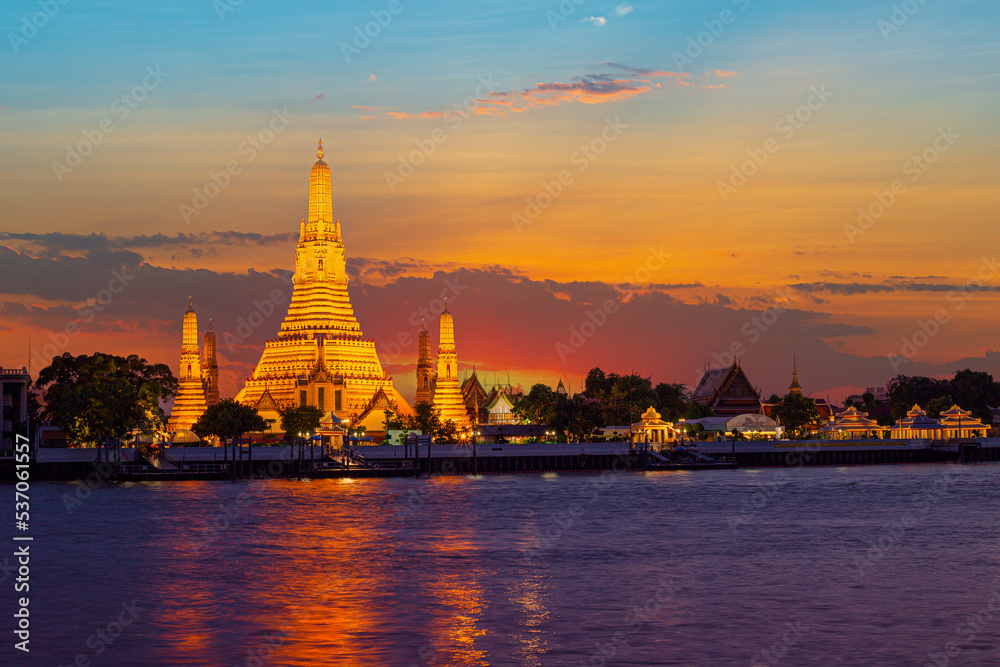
189,404
320,357
447,392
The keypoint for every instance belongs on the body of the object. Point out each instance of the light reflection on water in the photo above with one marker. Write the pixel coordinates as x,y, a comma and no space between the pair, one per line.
648,571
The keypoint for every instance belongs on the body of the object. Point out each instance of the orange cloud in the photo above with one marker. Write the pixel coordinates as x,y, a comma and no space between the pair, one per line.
587,89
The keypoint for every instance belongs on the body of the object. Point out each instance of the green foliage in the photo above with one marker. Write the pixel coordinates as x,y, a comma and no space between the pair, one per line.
105,396
425,419
538,406
972,390
797,413
302,419
697,411
447,432
672,401
577,417
623,398
393,422
229,419
936,406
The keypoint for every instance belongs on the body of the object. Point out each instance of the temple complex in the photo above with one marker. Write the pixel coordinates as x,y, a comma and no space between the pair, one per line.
447,393
189,404
320,356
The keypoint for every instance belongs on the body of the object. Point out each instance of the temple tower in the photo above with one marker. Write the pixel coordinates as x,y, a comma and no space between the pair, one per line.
795,387
189,404
320,357
447,394
210,368
425,367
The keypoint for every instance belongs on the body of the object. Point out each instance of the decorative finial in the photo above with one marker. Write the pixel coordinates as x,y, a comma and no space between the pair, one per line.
190,303
319,151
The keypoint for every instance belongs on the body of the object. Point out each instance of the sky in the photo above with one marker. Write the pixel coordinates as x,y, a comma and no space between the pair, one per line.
646,187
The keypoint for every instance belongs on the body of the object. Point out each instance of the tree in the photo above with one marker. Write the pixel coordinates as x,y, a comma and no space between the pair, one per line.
447,432
577,417
105,396
696,410
672,400
936,406
425,419
797,413
972,390
538,406
303,419
623,398
228,419
393,422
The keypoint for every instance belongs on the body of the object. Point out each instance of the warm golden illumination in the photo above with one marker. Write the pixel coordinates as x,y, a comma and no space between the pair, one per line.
447,394
320,356
189,404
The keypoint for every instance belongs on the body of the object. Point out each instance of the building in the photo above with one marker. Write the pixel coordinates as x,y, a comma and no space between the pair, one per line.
825,409
447,392
728,392
651,429
754,426
500,409
916,425
371,420
320,357
189,404
853,424
425,367
210,369
474,397
959,423
13,405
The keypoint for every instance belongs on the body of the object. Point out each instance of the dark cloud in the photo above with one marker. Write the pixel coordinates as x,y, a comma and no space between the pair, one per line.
904,286
503,320
53,244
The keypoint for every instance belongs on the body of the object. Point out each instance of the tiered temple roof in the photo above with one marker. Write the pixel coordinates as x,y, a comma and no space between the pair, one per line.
728,392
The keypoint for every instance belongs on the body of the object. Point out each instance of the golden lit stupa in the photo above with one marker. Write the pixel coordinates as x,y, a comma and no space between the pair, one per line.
210,369
189,404
447,393
320,356
425,367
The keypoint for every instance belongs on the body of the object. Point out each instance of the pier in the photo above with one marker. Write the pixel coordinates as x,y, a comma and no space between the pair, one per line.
188,463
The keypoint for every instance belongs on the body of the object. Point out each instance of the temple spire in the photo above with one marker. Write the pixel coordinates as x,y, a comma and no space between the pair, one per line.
795,387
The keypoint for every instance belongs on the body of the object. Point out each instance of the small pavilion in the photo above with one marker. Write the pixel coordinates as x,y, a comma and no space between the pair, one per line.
959,423
652,429
331,430
916,425
852,424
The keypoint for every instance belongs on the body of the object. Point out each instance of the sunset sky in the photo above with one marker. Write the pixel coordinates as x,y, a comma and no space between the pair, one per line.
713,155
